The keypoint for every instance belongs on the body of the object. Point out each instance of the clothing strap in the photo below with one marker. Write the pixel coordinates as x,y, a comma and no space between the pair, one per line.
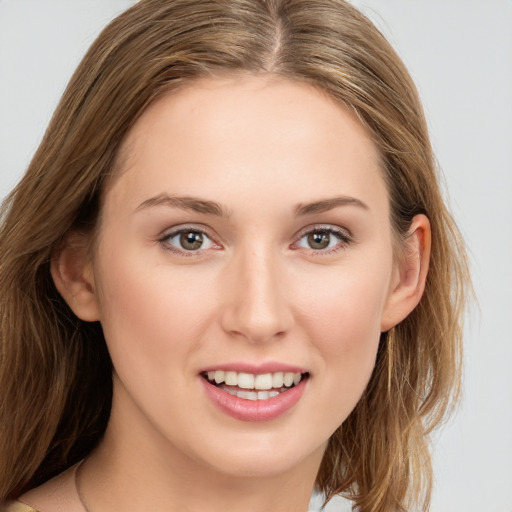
15,506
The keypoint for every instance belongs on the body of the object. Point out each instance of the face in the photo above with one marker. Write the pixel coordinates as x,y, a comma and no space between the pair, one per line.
244,272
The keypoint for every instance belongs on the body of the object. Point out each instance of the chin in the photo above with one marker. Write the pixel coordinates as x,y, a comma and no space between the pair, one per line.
253,458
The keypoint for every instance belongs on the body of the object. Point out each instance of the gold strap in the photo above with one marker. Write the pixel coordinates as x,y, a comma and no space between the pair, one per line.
15,506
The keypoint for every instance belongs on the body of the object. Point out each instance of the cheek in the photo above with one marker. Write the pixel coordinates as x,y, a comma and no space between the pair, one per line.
344,316
344,325
348,337
152,318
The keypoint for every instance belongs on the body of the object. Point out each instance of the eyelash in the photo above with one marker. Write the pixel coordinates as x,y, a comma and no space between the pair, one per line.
165,241
343,235
344,239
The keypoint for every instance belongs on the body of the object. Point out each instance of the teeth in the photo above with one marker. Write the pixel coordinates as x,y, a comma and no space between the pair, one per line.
231,379
245,380
260,382
263,381
252,395
247,395
288,379
277,380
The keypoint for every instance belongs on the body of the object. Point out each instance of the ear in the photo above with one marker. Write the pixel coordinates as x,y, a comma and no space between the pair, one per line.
410,274
72,274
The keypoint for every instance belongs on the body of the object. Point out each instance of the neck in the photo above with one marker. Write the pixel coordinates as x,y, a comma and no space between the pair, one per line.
110,482
142,472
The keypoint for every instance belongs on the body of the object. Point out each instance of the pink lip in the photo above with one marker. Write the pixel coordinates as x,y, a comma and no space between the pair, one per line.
254,410
268,367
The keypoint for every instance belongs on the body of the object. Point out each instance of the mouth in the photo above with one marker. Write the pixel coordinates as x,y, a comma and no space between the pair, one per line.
251,386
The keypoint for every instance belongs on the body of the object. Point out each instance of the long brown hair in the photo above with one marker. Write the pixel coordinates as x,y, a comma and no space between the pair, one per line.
55,371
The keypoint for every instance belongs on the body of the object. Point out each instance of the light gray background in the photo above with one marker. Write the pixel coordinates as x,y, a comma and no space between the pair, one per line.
460,54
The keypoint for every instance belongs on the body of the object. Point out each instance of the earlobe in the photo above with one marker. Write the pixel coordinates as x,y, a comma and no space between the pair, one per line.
72,274
411,274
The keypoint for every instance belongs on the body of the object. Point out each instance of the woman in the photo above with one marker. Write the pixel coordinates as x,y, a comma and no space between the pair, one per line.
228,276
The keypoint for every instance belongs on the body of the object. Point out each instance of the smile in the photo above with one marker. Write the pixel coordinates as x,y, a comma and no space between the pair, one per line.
251,386
254,396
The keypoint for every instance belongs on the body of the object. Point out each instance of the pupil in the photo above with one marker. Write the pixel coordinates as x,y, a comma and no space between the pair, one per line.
191,240
318,240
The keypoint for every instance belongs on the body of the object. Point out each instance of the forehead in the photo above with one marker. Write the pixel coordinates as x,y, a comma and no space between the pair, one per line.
248,132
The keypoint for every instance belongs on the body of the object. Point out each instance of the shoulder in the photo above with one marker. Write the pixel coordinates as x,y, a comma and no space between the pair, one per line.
56,495
15,506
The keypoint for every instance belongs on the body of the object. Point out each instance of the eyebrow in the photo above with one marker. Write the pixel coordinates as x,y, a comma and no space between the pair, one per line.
212,208
325,205
186,203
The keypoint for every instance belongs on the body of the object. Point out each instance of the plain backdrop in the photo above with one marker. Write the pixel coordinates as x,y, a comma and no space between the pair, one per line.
460,54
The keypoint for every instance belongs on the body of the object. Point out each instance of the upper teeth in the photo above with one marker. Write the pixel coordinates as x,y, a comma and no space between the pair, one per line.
255,381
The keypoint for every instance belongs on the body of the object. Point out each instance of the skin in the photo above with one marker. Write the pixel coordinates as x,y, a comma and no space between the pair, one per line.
260,148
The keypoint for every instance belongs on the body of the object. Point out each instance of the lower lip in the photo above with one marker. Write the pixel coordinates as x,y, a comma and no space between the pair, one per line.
254,410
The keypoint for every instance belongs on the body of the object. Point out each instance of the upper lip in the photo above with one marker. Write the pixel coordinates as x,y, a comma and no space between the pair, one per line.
255,368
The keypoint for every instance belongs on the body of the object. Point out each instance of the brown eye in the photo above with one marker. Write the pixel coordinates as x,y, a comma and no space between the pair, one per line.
188,241
324,240
191,240
319,240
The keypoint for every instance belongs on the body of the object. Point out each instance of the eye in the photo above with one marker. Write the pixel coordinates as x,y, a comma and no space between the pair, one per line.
323,239
187,240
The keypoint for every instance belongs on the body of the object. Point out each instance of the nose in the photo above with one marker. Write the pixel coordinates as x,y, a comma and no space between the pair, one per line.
255,303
